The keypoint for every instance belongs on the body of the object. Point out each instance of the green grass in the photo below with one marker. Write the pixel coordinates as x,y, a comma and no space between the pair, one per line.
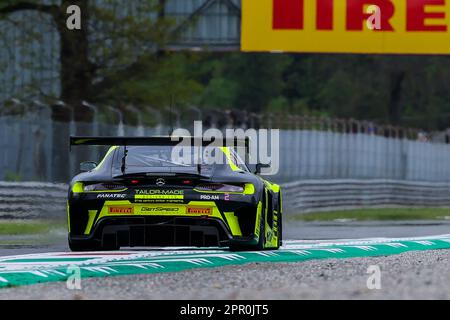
378,214
28,227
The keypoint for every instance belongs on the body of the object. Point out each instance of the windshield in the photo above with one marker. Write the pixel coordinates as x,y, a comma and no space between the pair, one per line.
169,157
155,156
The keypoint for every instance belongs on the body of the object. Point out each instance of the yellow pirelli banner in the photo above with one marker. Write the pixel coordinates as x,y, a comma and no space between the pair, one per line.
347,26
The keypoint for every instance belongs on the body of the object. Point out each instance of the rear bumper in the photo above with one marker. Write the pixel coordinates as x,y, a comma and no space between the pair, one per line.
163,232
244,241
158,231
199,219
235,220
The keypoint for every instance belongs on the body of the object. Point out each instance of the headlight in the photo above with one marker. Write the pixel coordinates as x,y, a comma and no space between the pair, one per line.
219,187
104,187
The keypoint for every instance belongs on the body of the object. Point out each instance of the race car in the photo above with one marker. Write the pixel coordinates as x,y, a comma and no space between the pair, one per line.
139,196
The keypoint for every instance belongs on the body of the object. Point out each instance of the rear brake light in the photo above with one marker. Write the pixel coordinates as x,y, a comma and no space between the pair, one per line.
219,187
104,187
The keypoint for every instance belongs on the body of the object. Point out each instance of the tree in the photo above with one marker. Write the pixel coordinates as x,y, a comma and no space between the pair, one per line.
115,40
110,44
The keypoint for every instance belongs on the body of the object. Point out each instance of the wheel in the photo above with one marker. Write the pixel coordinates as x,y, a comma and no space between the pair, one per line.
280,230
280,222
262,234
262,227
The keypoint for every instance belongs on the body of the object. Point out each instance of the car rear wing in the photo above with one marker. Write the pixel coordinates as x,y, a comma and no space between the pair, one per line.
155,141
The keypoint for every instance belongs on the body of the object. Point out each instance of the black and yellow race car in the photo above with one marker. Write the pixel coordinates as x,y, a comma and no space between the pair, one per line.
138,196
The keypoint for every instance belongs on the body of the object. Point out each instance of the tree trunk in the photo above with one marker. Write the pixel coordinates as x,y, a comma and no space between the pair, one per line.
76,75
161,15
395,109
77,71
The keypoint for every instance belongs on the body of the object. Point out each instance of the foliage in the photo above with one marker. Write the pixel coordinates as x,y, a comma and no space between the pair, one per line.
12,177
125,61
387,214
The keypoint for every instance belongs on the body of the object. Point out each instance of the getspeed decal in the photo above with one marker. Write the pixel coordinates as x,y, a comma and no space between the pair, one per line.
159,209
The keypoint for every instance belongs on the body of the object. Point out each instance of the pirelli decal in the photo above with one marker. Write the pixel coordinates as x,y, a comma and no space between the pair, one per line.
198,210
121,210
347,26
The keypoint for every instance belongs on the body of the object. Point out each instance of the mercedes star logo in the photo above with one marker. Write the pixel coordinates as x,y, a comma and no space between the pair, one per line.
160,182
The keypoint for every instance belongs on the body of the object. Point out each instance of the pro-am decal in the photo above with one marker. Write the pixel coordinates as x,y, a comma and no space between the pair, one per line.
209,197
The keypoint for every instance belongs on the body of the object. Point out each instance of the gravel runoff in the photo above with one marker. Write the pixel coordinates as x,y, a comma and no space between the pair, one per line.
412,275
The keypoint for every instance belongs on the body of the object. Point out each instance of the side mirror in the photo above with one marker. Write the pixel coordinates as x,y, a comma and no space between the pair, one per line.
256,169
88,166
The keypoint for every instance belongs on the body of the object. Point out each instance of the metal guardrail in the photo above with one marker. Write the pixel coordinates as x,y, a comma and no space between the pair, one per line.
327,195
35,144
30,200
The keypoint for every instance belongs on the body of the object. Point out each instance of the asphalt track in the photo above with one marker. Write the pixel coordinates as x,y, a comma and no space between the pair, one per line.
294,230
27,272
54,267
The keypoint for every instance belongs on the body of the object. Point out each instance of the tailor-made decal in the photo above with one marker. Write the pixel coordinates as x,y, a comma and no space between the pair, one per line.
159,192
155,195
157,200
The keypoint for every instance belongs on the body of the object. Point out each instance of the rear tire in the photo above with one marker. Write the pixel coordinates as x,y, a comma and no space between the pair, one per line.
280,221
280,230
262,231
262,235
